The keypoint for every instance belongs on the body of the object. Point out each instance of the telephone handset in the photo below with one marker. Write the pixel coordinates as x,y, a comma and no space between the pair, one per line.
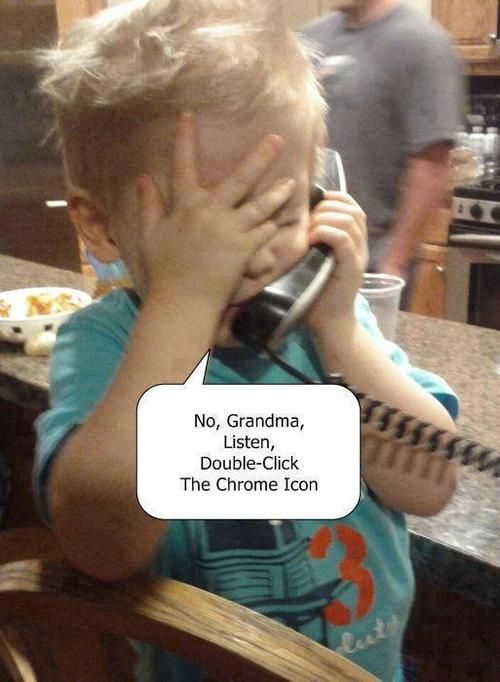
268,317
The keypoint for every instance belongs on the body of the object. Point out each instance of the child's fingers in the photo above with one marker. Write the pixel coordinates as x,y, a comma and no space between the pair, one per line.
261,234
234,189
347,253
184,177
340,206
339,241
345,221
344,197
265,205
151,202
344,206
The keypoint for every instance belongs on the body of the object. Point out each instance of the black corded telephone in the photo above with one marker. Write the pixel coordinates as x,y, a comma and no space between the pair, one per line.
268,317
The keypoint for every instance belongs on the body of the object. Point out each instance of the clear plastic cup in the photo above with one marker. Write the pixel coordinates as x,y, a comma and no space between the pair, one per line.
383,293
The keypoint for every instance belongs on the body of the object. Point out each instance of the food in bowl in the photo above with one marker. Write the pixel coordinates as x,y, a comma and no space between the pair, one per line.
4,309
47,304
43,304
27,312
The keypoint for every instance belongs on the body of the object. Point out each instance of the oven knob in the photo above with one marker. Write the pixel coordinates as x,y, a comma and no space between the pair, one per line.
495,214
476,212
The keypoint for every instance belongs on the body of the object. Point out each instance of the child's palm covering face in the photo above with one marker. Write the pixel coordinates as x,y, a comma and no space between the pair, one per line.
233,218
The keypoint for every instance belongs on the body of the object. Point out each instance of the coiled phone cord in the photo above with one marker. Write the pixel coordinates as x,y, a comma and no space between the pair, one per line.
388,424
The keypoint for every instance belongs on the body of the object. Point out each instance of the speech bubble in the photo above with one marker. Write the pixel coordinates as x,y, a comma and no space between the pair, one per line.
247,451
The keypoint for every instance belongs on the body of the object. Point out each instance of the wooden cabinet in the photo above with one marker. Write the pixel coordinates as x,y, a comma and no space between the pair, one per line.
70,10
428,292
450,637
472,24
298,12
31,175
25,24
428,295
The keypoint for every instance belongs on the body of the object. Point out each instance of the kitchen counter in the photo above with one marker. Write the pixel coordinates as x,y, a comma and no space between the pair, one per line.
24,380
460,547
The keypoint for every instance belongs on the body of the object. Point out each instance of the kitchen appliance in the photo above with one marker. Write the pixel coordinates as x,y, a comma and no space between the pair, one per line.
473,272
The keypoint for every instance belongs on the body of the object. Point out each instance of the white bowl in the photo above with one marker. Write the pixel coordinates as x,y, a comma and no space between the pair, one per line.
17,328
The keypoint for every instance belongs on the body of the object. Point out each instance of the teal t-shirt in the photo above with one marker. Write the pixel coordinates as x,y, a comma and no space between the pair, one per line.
347,583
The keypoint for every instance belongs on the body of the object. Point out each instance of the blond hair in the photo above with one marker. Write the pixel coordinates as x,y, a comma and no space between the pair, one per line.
132,63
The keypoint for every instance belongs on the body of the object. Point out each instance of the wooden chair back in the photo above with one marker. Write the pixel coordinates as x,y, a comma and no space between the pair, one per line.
44,597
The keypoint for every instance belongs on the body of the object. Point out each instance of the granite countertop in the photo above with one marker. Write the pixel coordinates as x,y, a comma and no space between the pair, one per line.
460,547
24,380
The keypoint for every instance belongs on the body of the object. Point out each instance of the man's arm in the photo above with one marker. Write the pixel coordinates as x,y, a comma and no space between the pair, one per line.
422,190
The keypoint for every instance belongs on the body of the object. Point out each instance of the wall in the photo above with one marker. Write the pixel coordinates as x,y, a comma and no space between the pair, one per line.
301,11
298,11
423,5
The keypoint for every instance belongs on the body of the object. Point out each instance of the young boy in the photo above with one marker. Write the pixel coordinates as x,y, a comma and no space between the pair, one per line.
190,131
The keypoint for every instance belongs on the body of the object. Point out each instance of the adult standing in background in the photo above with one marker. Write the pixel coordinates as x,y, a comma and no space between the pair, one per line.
396,97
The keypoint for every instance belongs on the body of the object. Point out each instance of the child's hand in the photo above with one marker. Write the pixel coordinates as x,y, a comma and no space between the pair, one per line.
339,222
202,243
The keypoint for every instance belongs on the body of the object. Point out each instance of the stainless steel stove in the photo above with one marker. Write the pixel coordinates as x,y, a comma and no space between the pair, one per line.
473,270
476,215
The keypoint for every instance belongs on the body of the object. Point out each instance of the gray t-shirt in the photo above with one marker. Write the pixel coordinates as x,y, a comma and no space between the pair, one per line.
399,90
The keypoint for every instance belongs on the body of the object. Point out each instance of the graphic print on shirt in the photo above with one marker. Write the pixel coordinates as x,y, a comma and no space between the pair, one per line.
271,568
351,571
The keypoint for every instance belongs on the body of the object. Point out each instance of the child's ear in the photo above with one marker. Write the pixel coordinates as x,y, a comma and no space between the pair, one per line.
93,225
